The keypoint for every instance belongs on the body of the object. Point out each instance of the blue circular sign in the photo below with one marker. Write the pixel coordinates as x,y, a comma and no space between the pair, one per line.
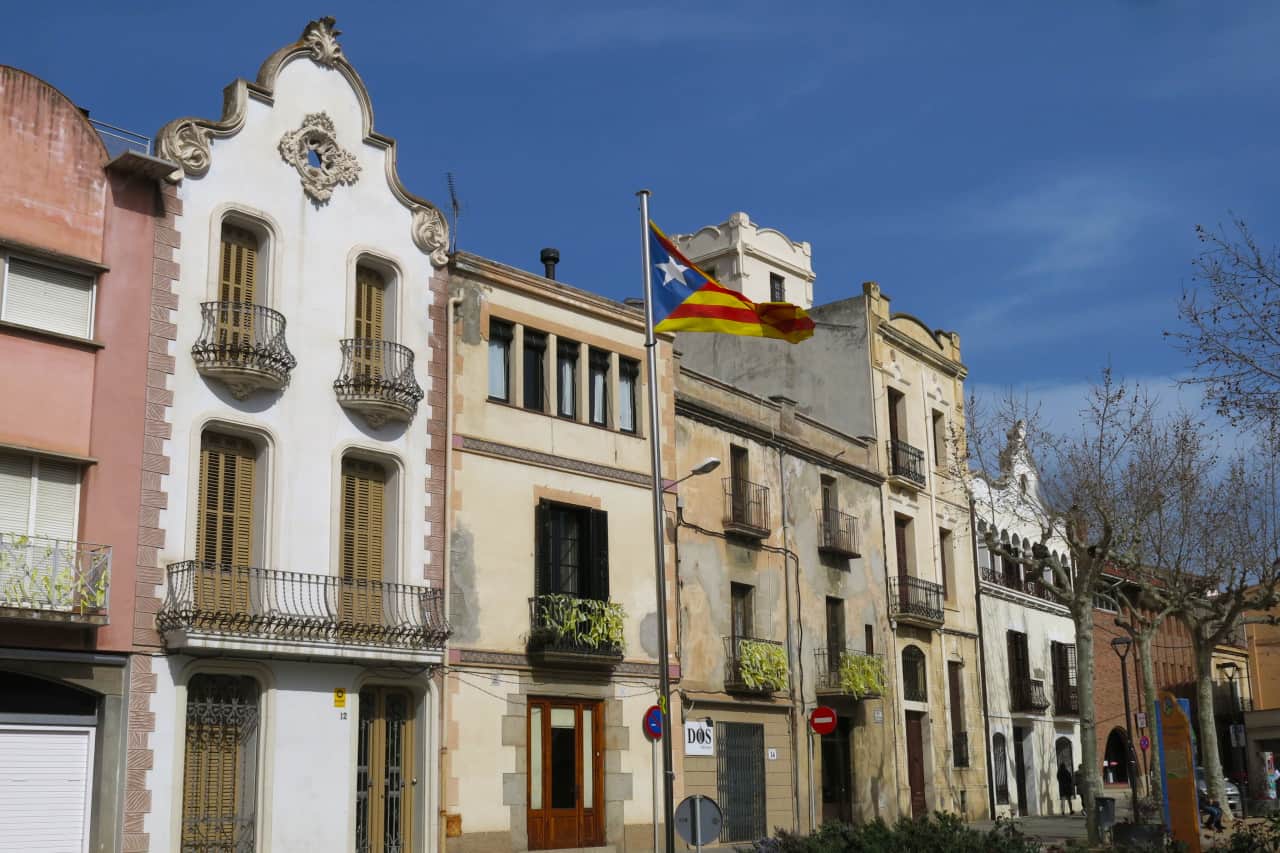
653,722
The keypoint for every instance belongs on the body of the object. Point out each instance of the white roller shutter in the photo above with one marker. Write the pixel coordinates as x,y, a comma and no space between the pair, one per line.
57,490
48,298
15,493
44,788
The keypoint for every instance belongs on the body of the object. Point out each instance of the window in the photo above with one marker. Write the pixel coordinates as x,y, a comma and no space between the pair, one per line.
38,496
742,610
869,639
238,265
709,269
1000,766
567,377
1065,692
572,551
740,781
946,556
835,631
955,685
902,544
777,288
225,524
1021,695
566,774
535,370
371,299
500,335
897,415
220,763
49,298
914,682
939,439
384,771
598,362
628,380
363,538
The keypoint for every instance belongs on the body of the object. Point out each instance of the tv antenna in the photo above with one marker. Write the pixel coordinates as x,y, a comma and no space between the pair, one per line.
456,206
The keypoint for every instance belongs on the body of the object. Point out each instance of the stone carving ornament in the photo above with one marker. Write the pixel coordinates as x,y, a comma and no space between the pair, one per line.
321,38
431,234
187,144
332,164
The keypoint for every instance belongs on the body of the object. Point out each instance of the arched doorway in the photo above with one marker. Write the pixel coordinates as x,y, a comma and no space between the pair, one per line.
1115,761
1064,757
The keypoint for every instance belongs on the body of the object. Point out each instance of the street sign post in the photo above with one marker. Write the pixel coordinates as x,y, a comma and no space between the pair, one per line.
698,820
822,720
653,722
1144,742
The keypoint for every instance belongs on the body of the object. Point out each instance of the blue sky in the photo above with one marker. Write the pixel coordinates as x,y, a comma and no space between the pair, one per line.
1028,174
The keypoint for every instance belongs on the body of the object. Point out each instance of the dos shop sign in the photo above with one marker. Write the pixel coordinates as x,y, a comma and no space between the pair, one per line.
699,737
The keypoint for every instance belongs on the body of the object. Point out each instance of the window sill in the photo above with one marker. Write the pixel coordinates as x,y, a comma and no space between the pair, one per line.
37,332
563,419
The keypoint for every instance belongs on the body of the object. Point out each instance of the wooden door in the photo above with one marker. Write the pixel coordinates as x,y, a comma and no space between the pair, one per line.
1020,769
835,633
915,763
738,471
363,535
895,402
224,526
837,774
237,286
566,774
385,775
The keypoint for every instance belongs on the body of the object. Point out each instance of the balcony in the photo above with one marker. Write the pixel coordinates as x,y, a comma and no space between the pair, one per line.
959,749
746,508
216,609
1227,705
848,672
242,345
1014,581
118,140
53,581
837,533
1027,694
915,601
565,629
377,381
755,666
906,463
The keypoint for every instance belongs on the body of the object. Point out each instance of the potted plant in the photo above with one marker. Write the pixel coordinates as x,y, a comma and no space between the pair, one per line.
763,666
861,675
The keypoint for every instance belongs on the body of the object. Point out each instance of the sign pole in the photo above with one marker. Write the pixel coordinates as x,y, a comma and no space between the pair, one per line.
659,523
657,795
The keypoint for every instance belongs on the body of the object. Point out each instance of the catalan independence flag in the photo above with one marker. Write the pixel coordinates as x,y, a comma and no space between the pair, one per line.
685,299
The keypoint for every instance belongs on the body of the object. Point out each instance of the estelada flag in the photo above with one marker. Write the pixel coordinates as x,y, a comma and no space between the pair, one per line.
685,299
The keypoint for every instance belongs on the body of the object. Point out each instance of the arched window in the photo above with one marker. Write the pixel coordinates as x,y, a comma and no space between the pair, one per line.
1115,762
984,554
1000,766
914,686
1064,754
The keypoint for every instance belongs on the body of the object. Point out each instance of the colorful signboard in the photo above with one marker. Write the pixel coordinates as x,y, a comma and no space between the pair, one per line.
1177,770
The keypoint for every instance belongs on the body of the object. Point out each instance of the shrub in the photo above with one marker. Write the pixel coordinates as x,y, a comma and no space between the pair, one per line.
938,833
763,665
1252,838
861,675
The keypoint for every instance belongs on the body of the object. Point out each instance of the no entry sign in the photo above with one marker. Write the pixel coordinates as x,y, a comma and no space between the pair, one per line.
822,720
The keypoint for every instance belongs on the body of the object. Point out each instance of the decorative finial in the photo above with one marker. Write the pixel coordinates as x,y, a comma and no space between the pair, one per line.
321,38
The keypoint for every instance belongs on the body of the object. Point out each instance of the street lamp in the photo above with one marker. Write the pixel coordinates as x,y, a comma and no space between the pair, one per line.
706,466
1230,670
1121,646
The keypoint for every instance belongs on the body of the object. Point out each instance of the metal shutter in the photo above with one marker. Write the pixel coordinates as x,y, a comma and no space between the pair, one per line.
15,493
48,298
44,788
57,493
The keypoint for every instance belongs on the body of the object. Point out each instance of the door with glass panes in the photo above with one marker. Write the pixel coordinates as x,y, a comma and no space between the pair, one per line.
566,774
385,777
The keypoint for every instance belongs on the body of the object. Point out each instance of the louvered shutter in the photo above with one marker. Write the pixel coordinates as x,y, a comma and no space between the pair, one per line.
57,485
599,570
48,298
370,296
363,488
224,535
542,548
237,286
15,493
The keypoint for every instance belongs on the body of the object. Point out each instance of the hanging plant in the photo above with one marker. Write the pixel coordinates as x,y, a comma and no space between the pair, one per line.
861,675
763,666
569,621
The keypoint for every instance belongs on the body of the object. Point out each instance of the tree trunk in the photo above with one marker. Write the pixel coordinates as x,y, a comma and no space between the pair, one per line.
1082,615
1207,724
1155,786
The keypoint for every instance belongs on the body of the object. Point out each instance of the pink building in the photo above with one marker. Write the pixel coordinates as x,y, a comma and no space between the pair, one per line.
85,251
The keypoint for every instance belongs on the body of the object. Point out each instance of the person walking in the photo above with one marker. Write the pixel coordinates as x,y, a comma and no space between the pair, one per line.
1066,788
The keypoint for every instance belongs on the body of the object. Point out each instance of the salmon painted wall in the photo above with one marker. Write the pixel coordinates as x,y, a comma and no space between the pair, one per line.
48,390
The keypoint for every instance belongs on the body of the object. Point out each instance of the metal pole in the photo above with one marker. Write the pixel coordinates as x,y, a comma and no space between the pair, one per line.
1128,727
697,822
659,523
657,793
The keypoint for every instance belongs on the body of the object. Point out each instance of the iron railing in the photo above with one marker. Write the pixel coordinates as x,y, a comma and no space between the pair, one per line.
755,665
118,140
581,626
850,672
915,598
746,506
243,336
1028,586
378,371
55,577
1066,698
1228,705
1027,694
838,532
960,749
300,606
906,461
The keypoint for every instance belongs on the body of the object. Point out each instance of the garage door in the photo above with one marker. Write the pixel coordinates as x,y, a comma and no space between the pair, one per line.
44,788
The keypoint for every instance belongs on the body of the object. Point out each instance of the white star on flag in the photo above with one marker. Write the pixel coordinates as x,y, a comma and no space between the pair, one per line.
671,271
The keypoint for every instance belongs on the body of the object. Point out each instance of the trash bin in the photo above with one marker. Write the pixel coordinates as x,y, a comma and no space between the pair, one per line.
1105,809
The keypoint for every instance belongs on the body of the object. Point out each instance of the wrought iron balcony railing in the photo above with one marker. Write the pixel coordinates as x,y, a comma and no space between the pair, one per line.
565,626
906,461
377,380
960,749
756,666
243,345
1027,694
1028,586
54,580
849,672
837,533
915,600
254,603
746,507
1066,698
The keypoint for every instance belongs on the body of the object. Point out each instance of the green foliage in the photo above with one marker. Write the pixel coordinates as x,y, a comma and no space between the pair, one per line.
1252,837
763,666
938,833
45,576
861,675
567,620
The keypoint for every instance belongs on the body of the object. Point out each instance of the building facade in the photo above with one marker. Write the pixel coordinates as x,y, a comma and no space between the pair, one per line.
552,581
1029,651
296,704
79,227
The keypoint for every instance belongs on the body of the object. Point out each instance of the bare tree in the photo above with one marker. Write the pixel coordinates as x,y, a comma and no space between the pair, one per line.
1233,324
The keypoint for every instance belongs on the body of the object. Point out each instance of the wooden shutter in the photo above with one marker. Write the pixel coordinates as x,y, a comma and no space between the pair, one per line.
900,527
598,587
224,526
219,762
237,286
371,289
954,672
363,533
541,548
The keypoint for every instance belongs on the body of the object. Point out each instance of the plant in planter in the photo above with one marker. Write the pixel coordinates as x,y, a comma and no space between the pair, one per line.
763,666
586,623
861,675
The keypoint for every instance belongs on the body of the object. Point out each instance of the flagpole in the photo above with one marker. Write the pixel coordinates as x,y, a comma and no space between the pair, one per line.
659,544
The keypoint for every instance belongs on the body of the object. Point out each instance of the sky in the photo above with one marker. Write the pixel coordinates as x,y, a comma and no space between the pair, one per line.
1028,175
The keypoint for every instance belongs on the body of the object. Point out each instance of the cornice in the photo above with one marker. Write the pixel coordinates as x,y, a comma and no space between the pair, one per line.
187,141
528,456
911,345
992,590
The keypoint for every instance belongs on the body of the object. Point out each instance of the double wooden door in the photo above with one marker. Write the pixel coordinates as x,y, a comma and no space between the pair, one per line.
566,774
385,775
